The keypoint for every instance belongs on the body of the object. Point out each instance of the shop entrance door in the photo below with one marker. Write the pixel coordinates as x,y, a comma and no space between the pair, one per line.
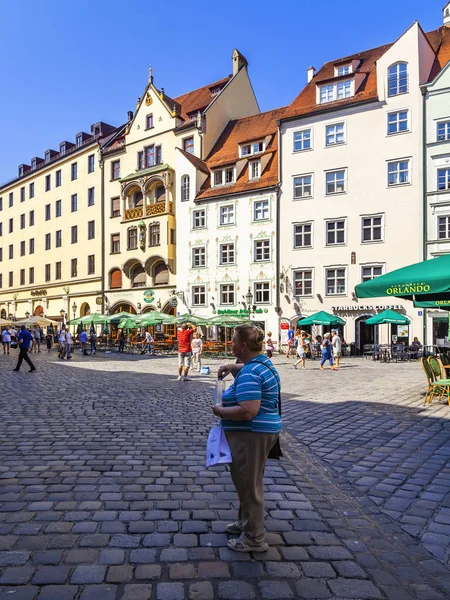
365,334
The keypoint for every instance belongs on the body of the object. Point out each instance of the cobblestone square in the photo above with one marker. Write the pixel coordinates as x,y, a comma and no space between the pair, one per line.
104,492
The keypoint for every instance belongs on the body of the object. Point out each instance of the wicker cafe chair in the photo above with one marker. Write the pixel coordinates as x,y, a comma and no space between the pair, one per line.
436,385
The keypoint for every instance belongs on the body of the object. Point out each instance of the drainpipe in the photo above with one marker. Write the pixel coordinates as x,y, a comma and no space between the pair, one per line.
277,234
425,197
103,217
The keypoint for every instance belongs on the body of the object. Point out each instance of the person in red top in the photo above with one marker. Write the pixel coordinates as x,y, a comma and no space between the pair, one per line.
184,350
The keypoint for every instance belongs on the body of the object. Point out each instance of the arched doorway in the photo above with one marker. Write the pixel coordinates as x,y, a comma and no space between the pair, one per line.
169,310
365,334
123,307
85,309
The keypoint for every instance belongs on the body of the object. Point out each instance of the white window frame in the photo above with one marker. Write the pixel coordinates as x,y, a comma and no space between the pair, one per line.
226,252
228,292
195,216
261,292
252,148
334,135
342,70
302,186
223,180
447,227
336,231
336,278
336,91
196,253
294,287
397,79
371,266
264,209
185,188
227,206
262,241
302,234
198,290
445,137
371,228
336,180
398,121
305,135
446,171
254,170
398,172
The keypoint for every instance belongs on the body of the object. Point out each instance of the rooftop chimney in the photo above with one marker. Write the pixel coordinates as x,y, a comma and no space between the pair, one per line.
130,115
446,12
311,72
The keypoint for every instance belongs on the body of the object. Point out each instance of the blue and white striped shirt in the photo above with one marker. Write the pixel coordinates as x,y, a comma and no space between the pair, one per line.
257,380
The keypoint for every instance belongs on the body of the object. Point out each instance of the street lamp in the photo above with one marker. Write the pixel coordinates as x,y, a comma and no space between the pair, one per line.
249,300
62,312
27,314
158,304
74,310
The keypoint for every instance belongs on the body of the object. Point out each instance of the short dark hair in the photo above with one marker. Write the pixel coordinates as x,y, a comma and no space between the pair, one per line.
23,327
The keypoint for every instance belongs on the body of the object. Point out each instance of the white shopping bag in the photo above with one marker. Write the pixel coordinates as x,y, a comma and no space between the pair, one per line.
217,448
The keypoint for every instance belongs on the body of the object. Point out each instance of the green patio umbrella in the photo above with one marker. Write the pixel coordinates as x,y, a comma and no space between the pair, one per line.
441,304
227,320
127,323
388,316
427,280
321,318
96,318
117,317
155,318
187,318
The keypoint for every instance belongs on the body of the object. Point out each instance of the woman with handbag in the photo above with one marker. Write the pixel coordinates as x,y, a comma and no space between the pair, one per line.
251,419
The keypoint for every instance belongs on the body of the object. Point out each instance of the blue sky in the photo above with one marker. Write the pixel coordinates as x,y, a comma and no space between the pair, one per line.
66,64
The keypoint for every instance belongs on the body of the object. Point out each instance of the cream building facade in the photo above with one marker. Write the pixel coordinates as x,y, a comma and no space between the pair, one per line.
352,187
50,231
143,188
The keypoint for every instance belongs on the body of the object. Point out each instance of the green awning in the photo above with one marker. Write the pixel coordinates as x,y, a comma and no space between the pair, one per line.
149,171
321,318
441,304
388,316
427,280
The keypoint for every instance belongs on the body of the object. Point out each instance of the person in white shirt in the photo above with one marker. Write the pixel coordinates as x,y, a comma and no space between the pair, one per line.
197,347
6,339
68,345
149,341
62,343
13,334
301,349
337,347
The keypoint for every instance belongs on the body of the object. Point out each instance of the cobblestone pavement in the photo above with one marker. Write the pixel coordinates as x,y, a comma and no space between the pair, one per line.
104,494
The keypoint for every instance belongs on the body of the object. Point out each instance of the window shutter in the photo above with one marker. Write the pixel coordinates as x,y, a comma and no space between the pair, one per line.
116,279
161,274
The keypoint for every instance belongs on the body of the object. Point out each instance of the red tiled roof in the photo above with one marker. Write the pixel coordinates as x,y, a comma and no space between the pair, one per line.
226,151
197,162
199,99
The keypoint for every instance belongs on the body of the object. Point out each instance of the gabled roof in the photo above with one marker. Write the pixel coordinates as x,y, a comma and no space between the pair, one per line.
305,103
226,151
197,162
198,100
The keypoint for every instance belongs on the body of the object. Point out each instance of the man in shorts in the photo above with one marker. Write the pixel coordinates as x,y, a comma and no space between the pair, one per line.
337,347
184,337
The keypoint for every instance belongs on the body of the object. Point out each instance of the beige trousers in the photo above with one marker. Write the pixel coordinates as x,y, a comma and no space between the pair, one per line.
249,452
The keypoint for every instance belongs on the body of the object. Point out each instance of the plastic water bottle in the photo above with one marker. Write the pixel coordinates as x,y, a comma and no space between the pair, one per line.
218,392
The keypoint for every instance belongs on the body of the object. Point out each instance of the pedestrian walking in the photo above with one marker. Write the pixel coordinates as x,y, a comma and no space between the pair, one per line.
269,345
121,341
49,340
93,340
291,341
13,334
6,340
83,340
37,339
197,349
184,337
68,345
25,340
336,344
301,350
149,341
252,424
62,343
327,352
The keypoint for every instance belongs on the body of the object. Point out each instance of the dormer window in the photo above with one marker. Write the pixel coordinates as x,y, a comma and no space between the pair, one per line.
255,169
223,176
253,148
47,156
62,148
79,140
398,79
33,163
336,91
342,70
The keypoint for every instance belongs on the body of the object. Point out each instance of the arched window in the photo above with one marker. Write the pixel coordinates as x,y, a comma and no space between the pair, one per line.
115,280
398,79
154,234
138,276
185,188
161,274
137,199
3,313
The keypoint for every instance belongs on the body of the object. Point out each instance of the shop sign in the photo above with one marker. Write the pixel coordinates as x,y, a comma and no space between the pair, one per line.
99,300
121,295
173,302
241,312
408,288
357,307
284,328
149,296
39,293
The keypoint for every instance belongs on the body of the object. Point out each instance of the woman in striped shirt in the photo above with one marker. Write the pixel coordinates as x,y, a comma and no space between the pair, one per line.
252,423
